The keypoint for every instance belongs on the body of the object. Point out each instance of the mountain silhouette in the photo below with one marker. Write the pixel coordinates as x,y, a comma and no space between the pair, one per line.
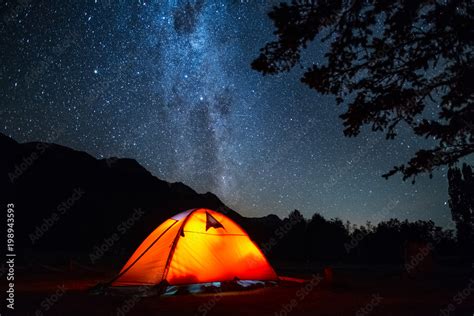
70,204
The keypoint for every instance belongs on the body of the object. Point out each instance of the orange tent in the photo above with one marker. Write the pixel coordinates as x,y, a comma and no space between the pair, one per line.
196,246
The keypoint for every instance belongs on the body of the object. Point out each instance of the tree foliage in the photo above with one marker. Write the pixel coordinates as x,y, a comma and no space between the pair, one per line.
329,240
391,62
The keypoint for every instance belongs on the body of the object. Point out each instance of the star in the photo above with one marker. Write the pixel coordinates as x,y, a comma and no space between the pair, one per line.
173,88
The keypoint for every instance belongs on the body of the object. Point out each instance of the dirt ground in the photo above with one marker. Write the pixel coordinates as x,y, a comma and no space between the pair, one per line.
354,290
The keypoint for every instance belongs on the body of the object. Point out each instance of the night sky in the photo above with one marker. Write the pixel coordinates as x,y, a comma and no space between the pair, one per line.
170,85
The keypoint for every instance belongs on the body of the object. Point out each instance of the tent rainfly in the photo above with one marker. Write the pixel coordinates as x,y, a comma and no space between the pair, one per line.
196,246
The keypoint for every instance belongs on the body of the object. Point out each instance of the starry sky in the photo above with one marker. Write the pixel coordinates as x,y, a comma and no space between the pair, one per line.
169,84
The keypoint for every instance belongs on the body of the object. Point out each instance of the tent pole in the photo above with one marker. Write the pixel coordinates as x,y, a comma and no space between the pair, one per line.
173,246
140,256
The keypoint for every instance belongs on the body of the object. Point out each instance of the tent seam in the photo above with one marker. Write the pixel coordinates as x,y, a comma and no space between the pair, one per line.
174,245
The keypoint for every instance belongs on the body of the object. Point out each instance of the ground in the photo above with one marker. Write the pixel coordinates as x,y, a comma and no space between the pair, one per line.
354,290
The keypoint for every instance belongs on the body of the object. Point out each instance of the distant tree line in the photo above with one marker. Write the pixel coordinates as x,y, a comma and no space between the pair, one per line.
321,239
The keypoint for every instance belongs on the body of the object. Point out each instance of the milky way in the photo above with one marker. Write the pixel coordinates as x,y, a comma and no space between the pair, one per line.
198,94
170,84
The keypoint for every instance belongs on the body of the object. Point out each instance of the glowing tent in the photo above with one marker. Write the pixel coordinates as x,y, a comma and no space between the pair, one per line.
196,246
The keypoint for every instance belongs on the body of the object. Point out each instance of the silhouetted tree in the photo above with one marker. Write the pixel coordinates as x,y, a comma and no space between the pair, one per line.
348,226
387,241
391,61
296,239
325,239
461,202
445,242
290,237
